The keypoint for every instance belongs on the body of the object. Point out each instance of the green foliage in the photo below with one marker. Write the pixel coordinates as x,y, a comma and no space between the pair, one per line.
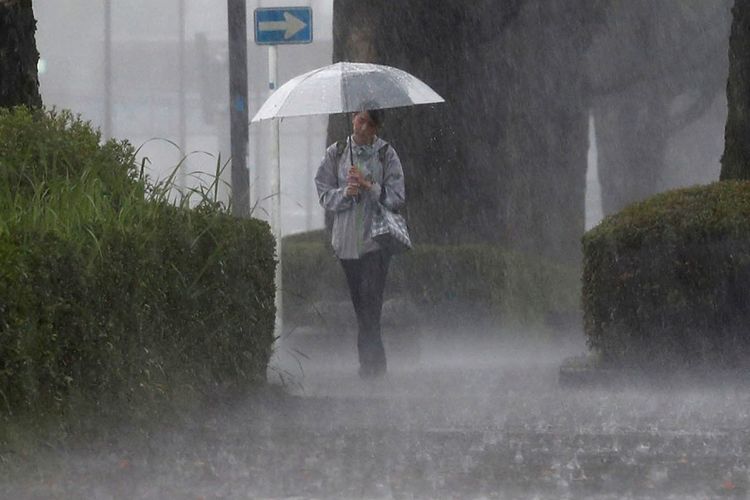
665,280
109,295
444,281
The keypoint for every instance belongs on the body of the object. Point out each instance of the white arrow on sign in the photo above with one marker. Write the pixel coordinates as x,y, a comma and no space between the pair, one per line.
291,25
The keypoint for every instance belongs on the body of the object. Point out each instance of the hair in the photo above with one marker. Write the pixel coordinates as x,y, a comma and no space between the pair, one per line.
376,114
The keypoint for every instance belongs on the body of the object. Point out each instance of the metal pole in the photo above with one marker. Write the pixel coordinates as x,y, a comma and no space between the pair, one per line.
309,198
237,33
259,135
181,92
107,69
276,185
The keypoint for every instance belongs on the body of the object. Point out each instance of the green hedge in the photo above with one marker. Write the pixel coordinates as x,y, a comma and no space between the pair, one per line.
666,281
110,295
446,283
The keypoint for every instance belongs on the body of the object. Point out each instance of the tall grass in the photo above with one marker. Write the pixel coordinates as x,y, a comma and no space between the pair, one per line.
112,290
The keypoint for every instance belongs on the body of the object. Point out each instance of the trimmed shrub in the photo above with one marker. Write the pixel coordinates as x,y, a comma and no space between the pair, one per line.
665,281
109,295
482,283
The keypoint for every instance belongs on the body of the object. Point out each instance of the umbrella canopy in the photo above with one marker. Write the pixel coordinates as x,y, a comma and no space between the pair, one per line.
345,87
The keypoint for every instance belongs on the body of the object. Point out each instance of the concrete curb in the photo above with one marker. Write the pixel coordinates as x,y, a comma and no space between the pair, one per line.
586,371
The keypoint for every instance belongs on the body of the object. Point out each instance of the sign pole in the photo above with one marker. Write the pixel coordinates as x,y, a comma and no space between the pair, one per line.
274,26
273,74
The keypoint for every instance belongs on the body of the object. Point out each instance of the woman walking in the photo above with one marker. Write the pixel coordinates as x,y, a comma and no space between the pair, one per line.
353,178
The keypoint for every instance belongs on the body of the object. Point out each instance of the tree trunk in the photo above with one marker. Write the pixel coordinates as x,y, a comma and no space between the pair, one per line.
667,71
632,139
735,163
503,161
414,35
545,128
19,84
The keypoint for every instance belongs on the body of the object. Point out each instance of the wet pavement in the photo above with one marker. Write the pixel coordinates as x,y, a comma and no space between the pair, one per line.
453,419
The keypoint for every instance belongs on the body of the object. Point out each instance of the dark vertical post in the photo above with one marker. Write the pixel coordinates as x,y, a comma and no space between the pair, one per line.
735,162
19,58
107,69
238,112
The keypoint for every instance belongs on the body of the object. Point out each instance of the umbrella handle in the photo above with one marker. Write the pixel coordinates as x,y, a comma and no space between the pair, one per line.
351,154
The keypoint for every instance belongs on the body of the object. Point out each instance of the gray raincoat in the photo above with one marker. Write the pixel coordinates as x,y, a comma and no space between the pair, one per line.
352,217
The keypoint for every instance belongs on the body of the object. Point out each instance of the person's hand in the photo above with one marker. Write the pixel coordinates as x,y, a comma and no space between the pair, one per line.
352,182
355,177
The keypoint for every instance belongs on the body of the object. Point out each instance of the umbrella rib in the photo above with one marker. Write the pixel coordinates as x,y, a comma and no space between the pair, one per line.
307,76
313,72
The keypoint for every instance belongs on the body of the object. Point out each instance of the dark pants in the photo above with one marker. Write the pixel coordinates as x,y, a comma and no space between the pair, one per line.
366,279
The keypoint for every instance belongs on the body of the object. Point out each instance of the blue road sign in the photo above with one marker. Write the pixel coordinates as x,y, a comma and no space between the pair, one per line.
283,25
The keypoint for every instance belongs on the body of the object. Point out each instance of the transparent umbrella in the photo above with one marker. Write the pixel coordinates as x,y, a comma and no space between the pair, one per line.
345,87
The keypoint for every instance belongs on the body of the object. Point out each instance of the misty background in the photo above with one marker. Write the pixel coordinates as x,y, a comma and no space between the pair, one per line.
156,100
